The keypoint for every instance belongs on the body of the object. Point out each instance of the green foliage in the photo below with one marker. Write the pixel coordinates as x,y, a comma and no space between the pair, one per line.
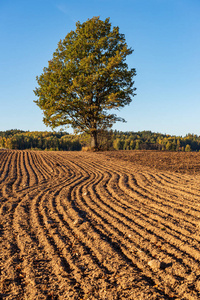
187,148
108,140
39,140
168,146
146,140
118,144
87,77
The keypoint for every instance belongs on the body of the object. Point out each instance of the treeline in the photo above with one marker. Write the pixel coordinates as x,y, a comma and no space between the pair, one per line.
18,139
110,140
147,140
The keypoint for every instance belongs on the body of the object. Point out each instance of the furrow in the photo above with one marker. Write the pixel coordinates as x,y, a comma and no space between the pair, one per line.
77,225
53,246
121,232
5,157
193,251
172,205
107,252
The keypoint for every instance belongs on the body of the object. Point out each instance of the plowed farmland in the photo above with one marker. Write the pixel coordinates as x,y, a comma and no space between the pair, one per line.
113,225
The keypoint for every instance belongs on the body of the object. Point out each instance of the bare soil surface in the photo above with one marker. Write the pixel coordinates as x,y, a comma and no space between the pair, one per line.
182,162
112,225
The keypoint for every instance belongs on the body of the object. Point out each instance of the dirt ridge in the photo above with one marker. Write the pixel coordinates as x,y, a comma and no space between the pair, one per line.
90,226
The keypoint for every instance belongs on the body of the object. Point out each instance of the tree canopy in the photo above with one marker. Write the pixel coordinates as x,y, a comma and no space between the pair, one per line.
87,77
108,140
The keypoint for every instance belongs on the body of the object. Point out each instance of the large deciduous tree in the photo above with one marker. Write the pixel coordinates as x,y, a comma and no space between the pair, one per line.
86,79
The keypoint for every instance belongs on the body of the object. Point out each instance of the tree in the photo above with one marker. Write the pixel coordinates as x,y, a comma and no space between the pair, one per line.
168,146
187,148
87,76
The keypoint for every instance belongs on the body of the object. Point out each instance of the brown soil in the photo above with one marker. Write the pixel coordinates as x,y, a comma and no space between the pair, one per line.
182,162
113,225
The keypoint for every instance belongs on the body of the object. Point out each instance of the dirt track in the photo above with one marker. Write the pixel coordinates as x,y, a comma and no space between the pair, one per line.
92,226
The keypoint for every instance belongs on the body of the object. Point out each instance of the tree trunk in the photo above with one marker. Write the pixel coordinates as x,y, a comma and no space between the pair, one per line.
94,143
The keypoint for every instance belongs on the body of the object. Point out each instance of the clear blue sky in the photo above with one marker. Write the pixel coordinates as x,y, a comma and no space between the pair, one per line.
165,36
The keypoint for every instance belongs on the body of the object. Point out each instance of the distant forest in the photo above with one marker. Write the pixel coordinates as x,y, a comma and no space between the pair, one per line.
108,140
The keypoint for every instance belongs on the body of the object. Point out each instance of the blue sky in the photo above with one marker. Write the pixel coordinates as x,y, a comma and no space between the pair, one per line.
165,36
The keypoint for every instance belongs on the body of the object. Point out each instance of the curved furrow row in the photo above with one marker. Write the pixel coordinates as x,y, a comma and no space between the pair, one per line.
161,185
5,156
98,240
159,200
23,174
182,219
54,241
24,236
181,188
26,171
11,277
192,251
59,166
39,182
103,220
49,164
82,226
173,179
188,227
135,193
7,172
150,193
19,178
9,179
158,203
79,256
143,206
41,168
184,182
38,168
28,176
26,244
73,229
190,195
147,216
33,170
43,248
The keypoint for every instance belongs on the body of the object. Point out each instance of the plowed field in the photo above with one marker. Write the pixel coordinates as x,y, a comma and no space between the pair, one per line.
79,225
